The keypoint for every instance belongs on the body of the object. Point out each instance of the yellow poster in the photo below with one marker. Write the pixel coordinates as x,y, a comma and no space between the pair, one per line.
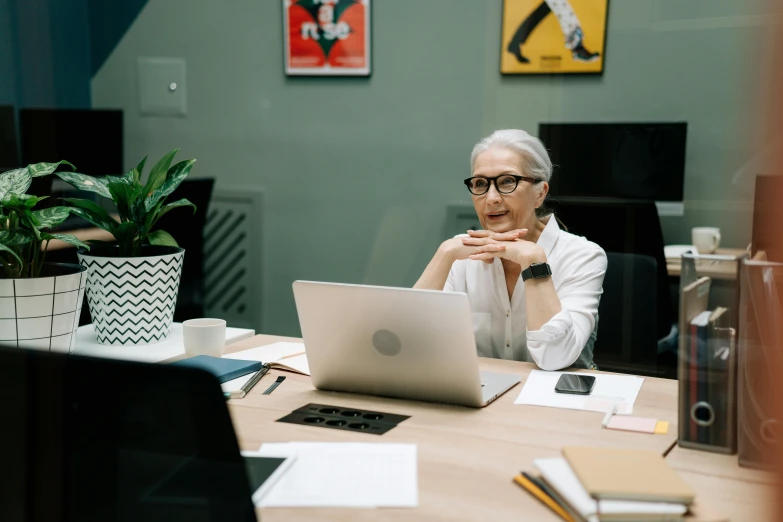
553,36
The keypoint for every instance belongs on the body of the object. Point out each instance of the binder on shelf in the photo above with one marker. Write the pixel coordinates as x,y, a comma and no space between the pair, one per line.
708,321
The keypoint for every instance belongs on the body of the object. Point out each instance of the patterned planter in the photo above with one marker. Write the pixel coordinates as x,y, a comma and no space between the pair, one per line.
132,299
43,312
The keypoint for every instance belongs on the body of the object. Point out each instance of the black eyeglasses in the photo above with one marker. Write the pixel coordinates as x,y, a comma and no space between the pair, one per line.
505,183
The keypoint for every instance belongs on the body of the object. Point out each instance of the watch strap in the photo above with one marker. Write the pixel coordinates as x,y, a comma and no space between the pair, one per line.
536,271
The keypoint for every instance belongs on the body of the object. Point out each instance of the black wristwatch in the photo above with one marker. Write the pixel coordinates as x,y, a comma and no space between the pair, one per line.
536,271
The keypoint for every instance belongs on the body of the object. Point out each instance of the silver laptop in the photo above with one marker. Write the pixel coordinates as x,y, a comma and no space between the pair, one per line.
394,342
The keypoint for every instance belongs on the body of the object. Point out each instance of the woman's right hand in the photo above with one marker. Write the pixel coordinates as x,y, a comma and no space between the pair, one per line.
456,250
436,274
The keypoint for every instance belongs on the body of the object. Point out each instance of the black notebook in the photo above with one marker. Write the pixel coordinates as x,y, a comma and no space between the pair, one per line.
223,369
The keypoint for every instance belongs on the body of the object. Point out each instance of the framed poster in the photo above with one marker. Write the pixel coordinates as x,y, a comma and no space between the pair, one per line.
327,37
553,36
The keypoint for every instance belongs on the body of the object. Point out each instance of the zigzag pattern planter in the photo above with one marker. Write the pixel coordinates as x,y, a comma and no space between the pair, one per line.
132,299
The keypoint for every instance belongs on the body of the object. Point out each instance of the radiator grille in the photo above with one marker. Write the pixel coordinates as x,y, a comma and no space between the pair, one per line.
232,258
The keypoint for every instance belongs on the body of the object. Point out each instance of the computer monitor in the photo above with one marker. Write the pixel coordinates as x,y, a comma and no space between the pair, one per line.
617,160
9,146
91,139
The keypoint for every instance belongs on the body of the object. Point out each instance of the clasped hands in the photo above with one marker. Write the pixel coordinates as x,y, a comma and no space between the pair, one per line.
485,245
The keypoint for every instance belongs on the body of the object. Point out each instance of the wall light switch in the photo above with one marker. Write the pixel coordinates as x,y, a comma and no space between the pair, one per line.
162,89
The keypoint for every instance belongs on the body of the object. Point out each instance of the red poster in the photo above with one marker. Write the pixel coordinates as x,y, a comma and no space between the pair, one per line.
327,37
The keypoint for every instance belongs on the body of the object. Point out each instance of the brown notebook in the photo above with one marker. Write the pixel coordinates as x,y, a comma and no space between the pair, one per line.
621,474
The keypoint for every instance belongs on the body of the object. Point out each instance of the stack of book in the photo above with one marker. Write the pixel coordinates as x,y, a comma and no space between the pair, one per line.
605,484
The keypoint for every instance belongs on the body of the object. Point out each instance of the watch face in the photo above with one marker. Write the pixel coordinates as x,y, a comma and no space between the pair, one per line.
540,270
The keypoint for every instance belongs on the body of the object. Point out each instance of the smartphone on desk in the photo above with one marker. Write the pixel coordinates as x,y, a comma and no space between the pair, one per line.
575,384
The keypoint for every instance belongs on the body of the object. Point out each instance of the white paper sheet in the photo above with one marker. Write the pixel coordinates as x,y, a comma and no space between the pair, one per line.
298,363
609,390
269,353
344,474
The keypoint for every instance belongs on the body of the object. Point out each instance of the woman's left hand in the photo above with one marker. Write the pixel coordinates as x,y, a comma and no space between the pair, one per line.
519,251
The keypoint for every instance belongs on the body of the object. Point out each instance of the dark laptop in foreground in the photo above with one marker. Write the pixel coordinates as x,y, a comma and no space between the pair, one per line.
394,342
102,440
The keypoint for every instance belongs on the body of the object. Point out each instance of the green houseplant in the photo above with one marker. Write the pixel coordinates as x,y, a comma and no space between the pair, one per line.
46,297
23,239
132,284
139,206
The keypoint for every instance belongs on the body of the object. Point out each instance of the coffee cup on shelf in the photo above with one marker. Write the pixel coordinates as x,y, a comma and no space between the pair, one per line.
706,239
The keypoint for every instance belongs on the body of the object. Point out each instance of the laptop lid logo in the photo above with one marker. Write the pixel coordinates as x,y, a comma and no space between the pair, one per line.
386,342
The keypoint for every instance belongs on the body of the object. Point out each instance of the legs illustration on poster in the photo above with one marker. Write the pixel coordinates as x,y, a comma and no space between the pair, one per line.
569,24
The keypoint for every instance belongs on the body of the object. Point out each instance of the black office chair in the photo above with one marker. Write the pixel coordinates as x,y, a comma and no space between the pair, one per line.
627,318
188,230
623,225
629,226
112,441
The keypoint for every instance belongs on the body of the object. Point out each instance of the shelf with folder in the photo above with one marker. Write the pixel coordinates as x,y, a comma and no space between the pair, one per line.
707,368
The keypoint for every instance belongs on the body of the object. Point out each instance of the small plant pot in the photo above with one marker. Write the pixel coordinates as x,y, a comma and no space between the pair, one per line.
43,312
132,299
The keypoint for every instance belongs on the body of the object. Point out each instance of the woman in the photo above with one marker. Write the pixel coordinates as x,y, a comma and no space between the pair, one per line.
533,287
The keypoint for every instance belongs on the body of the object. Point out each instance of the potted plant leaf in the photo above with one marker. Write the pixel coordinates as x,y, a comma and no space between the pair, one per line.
40,302
132,284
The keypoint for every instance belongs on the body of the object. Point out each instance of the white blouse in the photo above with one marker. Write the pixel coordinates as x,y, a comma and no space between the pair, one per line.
578,268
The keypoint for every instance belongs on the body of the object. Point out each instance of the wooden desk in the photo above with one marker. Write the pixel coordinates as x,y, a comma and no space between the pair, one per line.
716,271
738,493
467,457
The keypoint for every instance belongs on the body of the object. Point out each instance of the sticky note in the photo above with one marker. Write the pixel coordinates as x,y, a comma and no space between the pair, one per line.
628,423
661,428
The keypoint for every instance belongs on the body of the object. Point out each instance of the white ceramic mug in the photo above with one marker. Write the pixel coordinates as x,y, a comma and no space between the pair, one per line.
204,337
706,239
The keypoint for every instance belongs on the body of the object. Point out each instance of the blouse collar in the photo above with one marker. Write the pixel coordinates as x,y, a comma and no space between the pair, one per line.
549,236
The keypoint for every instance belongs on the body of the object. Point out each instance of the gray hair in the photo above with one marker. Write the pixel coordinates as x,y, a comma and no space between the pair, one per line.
536,159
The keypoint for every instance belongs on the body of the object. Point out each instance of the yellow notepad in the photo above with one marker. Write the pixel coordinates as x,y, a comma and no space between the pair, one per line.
621,474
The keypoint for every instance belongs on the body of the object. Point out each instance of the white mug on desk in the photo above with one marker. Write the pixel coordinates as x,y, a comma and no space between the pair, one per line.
706,239
204,337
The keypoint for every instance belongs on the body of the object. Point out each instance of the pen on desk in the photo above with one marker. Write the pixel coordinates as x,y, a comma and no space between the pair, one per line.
275,384
608,416
239,394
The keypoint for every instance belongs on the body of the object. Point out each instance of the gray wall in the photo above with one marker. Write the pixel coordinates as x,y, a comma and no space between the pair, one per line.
44,53
357,173
8,53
